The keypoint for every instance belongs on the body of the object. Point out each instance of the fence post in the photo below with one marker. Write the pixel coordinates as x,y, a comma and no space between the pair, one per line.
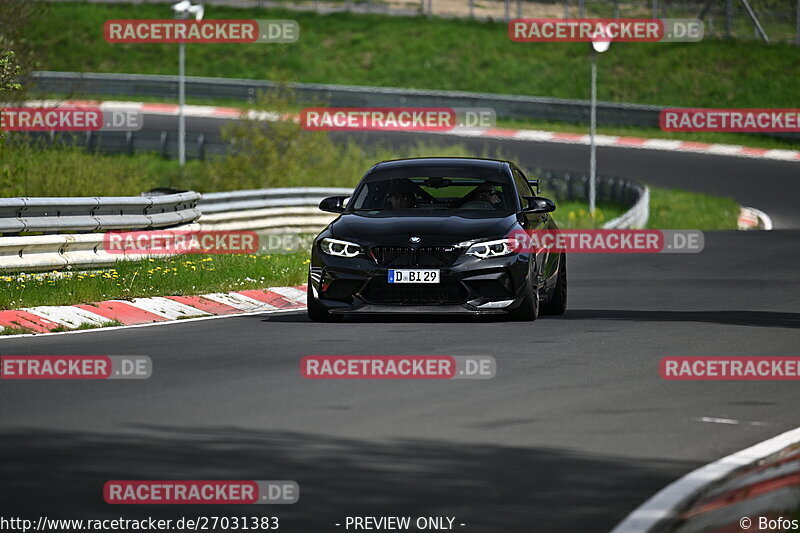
519,9
566,8
797,25
506,14
655,9
581,9
728,18
472,8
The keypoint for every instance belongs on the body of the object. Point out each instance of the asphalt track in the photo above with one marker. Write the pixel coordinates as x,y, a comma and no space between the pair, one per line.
573,433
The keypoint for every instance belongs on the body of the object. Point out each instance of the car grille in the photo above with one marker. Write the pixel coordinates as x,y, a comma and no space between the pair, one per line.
424,256
380,291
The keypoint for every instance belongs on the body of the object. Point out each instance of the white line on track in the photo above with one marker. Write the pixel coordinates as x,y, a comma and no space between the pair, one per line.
729,421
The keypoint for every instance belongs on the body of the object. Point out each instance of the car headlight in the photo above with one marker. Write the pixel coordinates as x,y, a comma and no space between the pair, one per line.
340,248
495,248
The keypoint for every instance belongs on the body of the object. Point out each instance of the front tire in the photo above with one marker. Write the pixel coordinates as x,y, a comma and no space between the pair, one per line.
528,310
316,311
557,304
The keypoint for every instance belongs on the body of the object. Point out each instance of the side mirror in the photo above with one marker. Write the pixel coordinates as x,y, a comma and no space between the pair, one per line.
539,204
333,204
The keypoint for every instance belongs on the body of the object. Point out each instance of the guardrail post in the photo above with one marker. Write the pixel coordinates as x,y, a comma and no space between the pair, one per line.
129,142
90,143
586,186
201,146
164,137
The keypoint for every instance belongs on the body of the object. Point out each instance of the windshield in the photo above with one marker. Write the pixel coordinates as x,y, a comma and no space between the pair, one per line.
439,193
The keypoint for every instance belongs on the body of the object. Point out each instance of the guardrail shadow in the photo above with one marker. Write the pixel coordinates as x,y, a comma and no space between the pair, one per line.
489,488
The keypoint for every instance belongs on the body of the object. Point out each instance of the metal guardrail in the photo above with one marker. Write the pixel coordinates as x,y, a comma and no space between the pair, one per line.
610,189
56,252
262,210
161,142
88,214
219,202
268,210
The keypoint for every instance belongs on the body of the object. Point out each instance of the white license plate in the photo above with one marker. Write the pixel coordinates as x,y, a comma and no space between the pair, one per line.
413,276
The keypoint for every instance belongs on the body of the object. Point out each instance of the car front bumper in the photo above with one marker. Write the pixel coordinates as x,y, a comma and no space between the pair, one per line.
471,285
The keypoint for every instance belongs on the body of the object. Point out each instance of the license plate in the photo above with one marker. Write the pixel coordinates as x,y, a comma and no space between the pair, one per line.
413,276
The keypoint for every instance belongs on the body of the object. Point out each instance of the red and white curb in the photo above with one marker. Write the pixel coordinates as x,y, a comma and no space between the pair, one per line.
766,491
497,133
46,319
752,218
670,504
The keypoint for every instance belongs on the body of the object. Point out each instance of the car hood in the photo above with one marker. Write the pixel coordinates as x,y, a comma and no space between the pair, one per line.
438,229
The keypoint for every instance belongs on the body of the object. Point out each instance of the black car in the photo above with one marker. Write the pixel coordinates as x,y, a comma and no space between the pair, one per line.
433,235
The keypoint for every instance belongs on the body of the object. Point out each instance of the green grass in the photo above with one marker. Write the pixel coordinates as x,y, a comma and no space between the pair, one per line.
86,325
676,209
575,215
15,331
435,54
669,209
183,275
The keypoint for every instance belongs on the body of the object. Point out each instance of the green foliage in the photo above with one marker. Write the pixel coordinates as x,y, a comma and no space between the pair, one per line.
450,54
27,169
9,70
